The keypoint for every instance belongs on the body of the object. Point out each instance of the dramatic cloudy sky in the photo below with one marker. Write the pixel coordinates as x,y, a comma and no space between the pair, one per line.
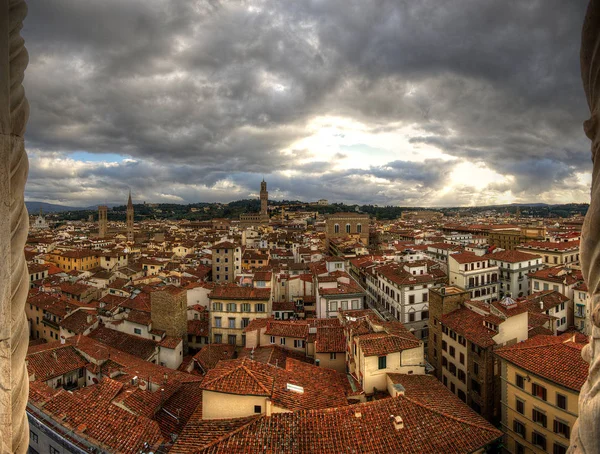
405,102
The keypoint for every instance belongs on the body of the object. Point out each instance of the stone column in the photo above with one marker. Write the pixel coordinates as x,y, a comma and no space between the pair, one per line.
585,435
14,225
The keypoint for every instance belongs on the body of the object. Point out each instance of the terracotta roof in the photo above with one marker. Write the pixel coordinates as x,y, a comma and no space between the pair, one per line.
378,344
90,411
470,325
53,360
77,322
467,257
197,327
442,425
274,355
170,342
295,329
548,246
243,377
209,355
555,358
128,343
232,292
512,256
330,339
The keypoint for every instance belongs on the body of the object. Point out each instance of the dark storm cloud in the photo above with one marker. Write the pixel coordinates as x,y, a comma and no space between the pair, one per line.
204,96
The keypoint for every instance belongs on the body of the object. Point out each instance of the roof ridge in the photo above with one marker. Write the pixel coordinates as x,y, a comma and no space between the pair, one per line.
447,415
249,372
230,434
548,343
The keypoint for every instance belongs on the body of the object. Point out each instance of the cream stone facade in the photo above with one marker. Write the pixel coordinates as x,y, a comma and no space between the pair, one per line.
230,314
217,405
372,371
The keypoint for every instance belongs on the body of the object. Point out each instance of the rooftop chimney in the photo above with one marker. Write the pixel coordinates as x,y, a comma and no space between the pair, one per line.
398,422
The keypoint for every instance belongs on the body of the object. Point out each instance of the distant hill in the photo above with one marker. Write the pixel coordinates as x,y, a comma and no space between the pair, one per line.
34,207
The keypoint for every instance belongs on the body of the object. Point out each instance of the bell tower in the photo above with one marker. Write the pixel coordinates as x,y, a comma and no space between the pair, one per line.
130,219
264,198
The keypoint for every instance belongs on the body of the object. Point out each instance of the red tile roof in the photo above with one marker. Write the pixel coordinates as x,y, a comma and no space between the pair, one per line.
128,343
554,358
378,344
295,329
52,360
512,256
90,411
470,325
438,425
235,292
209,355
330,339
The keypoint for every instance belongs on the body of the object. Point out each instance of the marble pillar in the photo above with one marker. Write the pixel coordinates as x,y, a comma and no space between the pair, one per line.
14,225
585,436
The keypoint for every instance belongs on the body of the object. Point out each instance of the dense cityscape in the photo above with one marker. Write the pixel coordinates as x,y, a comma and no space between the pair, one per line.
313,227
287,330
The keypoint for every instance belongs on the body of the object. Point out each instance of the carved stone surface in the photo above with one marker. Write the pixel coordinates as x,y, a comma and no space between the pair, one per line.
584,438
14,225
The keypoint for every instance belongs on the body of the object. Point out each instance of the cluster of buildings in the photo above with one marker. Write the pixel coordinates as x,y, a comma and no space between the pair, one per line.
332,334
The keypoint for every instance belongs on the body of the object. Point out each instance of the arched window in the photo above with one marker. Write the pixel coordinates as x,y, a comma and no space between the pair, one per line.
358,228
336,228
347,228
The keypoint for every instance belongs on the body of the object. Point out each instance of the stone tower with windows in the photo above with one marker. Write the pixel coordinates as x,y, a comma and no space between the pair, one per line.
102,220
264,198
130,219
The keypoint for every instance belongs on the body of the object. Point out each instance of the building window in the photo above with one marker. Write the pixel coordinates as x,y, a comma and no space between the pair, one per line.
411,299
520,381
232,339
347,228
336,228
538,391
382,362
520,405
217,322
411,317
519,428
539,417
462,376
332,356
562,428
358,228
231,307
259,307
272,339
245,322
257,409
462,358
452,351
475,386
538,440
519,448
231,322
246,307
33,436
217,306
282,341
444,346
424,315
559,449
137,330
561,401
53,450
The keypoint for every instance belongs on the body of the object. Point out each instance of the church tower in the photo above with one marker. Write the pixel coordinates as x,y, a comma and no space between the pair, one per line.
130,219
102,221
264,199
